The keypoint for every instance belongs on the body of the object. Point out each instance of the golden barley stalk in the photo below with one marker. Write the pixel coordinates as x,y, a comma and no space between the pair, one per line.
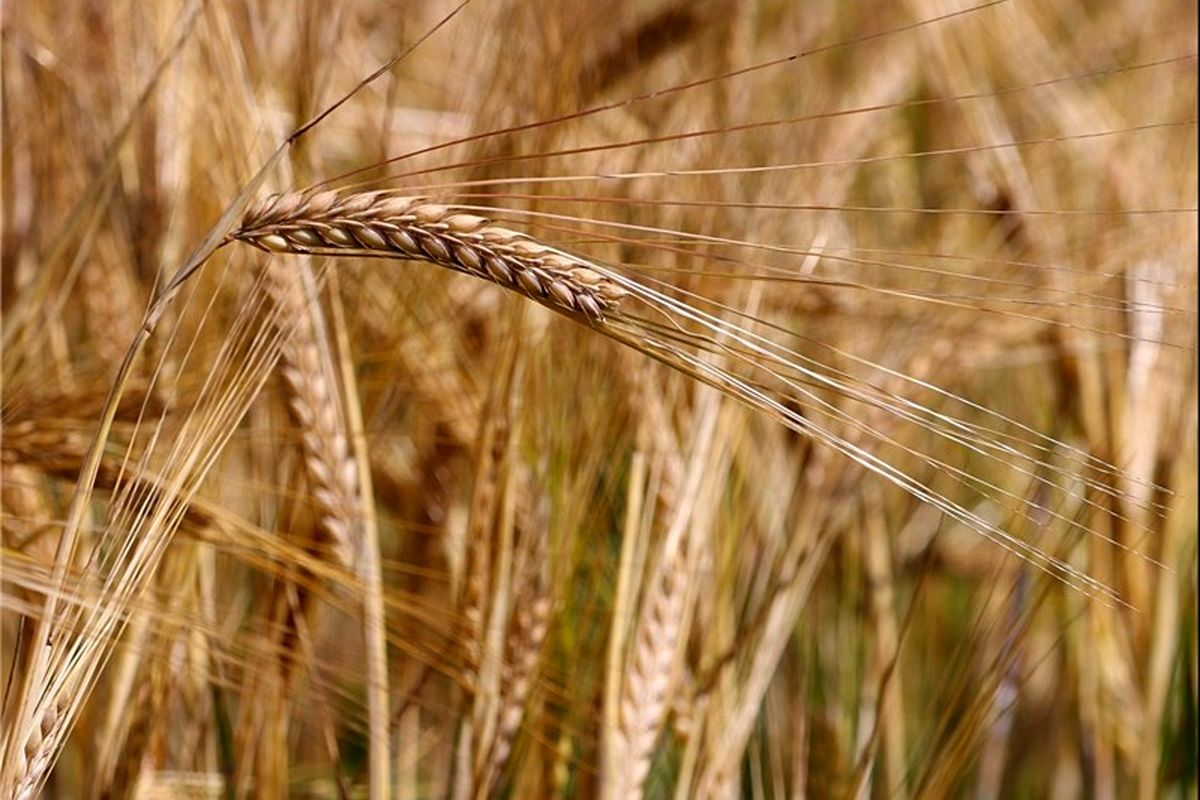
411,227
313,402
386,224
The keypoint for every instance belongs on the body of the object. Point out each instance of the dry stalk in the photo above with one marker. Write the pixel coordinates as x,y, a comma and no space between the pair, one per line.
488,585
735,702
314,405
655,632
649,682
526,634
477,583
145,676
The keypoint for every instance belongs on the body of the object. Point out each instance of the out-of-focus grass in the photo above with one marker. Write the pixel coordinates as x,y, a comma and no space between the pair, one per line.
1008,215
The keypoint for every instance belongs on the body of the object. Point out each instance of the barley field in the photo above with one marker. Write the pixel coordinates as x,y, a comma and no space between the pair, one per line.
574,399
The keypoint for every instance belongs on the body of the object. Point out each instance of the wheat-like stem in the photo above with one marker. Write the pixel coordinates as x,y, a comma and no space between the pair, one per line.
370,566
489,583
526,634
313,402
648,684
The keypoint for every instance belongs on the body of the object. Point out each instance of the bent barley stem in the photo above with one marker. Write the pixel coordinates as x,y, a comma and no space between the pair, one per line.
390,225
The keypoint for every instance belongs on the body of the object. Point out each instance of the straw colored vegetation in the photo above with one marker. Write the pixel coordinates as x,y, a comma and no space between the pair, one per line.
568,399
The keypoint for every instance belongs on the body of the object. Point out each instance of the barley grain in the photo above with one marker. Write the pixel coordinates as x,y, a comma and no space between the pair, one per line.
380,223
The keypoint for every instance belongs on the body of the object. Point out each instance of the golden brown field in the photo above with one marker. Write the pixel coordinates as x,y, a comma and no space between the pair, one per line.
571,399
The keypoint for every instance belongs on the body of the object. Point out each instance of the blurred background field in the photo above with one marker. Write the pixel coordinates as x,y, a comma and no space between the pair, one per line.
542,564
